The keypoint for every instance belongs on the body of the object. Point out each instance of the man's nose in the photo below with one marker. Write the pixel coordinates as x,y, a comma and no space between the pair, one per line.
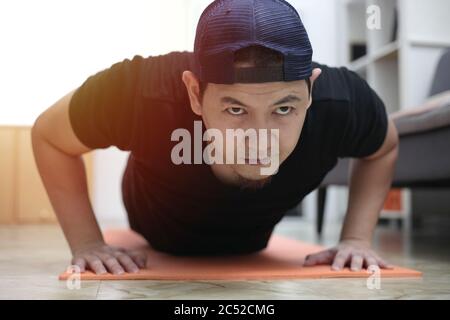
258,122
264,134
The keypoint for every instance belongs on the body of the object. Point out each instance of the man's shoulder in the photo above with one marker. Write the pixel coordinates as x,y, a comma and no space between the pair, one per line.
332,97
161,75
334,83
172,61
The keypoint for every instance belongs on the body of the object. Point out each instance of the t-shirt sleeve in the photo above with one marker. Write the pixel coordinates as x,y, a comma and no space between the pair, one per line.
102,110
367,120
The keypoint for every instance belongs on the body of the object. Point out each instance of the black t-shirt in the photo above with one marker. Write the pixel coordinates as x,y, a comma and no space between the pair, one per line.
184,209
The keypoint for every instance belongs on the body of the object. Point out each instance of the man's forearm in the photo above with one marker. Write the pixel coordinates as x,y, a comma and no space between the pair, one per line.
64,178
370,181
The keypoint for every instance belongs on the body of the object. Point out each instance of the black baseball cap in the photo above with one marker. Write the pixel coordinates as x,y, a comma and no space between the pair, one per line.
226,26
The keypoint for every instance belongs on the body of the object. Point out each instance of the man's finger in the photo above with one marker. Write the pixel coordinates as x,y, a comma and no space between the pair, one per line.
340,260
80,263
95,264
357,262
384,265
127,263
371,261
139,258
323,257
112,264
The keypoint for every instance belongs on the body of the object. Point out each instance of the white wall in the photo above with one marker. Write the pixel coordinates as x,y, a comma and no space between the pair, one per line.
49,47
320,20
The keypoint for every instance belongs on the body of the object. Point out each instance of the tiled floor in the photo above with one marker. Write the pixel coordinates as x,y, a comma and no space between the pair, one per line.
31,257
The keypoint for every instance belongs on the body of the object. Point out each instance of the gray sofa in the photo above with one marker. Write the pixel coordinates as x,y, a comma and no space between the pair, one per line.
424,151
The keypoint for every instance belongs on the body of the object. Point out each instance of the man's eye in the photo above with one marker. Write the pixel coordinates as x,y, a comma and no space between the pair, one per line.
283,110
236,111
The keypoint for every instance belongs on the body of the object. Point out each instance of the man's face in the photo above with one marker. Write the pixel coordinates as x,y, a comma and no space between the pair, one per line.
273,105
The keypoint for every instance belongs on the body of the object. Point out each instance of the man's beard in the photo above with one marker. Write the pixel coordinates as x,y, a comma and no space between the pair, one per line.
253,185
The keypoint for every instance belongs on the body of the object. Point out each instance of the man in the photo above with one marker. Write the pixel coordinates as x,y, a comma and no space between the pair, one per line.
251,70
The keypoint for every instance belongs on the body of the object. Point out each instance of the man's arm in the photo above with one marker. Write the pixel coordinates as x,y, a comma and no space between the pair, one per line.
57,153
370,181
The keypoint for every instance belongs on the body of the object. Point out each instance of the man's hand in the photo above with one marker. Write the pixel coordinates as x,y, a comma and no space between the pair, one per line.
353,253
101,257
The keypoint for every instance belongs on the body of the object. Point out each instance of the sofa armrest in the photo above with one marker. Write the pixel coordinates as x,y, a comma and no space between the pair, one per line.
433,114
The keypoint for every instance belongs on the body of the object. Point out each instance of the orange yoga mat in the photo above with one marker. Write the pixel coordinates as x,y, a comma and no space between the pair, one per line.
282,259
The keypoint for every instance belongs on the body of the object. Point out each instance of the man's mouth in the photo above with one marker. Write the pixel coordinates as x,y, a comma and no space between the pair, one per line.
258,161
